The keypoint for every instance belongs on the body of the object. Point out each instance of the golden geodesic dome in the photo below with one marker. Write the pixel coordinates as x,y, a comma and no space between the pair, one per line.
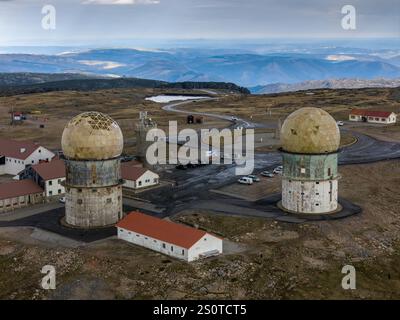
310,130
92,136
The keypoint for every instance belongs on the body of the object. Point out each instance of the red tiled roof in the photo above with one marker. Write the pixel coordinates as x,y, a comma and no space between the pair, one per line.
50,170
18,188
129,172
370,113
13,148
133,163
162,230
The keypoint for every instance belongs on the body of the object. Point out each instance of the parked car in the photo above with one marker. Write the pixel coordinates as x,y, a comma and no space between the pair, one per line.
180,167
245,180
278,170
340,123
62,200
267,174
233,118
254,178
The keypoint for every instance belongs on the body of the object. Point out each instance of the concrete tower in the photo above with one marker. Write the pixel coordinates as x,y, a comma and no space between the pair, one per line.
92,144
310,141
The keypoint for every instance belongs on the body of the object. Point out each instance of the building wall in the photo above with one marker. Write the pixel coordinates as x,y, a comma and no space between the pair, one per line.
20,202
93,173
148,179
93,193
310,183
310,167
311,197
206,244
54,187
40,154
14,166
93,207
153,244
391,119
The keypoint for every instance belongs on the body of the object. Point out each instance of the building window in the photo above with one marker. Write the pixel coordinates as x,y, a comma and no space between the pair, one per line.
50,193
183,252
50,183
317,182
94,190
329,171
140,183
80,201
163,245
172,249
137,236
59,191
79,190
109,200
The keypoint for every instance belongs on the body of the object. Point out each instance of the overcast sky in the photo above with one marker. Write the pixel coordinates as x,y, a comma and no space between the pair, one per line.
98,21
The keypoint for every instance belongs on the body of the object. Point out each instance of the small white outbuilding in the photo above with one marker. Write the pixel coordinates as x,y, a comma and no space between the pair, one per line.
167,237
137,177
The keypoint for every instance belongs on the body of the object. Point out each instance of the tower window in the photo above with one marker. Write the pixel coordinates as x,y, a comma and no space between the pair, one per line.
80,201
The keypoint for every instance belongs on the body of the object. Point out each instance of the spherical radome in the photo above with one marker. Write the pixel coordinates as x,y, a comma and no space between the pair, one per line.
310,130
92,136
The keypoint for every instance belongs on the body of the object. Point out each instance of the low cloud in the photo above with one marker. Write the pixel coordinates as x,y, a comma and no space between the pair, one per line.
121,2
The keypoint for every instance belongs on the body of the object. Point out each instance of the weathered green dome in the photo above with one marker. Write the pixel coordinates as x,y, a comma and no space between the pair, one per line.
310,130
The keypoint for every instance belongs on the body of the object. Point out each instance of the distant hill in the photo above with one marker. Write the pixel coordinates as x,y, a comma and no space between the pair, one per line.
326,84
25,78
86,84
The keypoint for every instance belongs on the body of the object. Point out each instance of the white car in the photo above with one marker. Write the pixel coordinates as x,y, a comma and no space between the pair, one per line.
245,180
267,174
340,123
254,178
62,200
278,170
233,118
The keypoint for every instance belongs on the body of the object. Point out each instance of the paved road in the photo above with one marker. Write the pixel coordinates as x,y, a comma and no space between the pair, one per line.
193,185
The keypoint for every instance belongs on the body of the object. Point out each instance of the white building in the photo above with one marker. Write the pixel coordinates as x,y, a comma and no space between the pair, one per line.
15,156
136,177
48,175
383,117
167,237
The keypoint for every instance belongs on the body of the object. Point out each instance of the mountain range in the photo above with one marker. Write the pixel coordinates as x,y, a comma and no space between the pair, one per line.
326,84
246,69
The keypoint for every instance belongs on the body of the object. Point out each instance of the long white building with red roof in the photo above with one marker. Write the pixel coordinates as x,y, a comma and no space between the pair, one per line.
15,155
169,238
383,117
